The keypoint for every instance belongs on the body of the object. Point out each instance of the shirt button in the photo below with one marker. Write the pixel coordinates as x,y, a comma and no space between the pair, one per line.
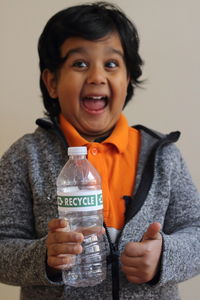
94,151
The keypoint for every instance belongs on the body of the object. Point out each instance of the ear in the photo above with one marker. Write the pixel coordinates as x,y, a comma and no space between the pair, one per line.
50,81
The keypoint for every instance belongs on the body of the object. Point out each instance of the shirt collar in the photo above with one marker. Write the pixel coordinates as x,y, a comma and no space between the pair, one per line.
118,137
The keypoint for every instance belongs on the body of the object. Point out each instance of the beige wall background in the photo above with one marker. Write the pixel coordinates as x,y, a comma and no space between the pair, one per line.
169,100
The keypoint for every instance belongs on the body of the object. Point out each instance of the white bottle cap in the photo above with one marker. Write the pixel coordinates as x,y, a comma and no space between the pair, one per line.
77,150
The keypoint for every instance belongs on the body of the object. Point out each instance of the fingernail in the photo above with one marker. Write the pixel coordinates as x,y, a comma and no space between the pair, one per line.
79,237
78,248
63,222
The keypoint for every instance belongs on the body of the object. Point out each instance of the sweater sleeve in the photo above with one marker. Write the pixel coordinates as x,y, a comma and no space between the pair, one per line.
23,251
181,230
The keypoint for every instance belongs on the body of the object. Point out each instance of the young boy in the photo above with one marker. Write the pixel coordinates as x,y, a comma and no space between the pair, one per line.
90,66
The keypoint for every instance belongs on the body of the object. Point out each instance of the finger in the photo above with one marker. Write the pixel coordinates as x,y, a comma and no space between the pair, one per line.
134,249
61,262
64,237
57,249
131,261
57,223
135,279
153,232
139,269
136,275
129,271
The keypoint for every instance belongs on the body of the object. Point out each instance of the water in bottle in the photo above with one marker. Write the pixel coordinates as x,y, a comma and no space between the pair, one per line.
79,198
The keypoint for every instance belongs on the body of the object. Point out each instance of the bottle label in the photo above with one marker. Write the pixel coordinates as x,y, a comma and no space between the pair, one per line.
80,201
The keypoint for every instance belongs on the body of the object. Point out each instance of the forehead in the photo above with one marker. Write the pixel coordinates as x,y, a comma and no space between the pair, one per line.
109,44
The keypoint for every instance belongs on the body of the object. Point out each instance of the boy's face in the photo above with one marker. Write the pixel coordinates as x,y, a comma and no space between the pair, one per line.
91,85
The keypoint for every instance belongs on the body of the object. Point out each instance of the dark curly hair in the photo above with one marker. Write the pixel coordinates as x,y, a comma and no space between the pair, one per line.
89,21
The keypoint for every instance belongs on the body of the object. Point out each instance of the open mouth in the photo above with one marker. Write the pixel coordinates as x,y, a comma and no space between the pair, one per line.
94,103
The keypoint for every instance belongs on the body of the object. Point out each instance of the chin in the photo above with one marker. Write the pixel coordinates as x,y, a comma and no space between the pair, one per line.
95,128
92,134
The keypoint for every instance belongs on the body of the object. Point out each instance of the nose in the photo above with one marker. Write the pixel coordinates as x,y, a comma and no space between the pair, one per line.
96,75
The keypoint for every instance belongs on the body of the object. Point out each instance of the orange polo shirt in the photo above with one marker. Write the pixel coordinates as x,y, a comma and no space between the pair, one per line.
116,161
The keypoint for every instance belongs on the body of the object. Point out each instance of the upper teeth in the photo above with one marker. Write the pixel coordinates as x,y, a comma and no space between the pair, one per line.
95,97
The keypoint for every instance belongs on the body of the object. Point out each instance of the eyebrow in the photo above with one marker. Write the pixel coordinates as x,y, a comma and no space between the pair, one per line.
113,50
82,50
72,51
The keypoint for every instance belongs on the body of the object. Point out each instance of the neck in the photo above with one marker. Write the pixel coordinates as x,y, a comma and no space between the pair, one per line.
92,138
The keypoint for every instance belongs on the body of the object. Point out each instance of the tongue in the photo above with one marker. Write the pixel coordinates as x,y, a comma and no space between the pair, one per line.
94,104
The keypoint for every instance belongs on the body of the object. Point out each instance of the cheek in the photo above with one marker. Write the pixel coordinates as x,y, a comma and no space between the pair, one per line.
66,93
122,89
122,83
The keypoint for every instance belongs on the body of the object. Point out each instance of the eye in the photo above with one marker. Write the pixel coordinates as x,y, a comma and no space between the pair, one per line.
80,64
111,64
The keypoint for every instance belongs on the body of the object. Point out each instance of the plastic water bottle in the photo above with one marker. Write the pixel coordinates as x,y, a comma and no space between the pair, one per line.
79,198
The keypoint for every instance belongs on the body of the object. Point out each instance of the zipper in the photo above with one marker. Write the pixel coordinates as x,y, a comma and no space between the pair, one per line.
113,259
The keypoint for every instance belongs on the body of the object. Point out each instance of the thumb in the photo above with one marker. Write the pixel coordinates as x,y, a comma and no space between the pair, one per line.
152,232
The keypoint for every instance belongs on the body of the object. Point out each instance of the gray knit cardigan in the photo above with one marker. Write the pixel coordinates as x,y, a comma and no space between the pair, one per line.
28,172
